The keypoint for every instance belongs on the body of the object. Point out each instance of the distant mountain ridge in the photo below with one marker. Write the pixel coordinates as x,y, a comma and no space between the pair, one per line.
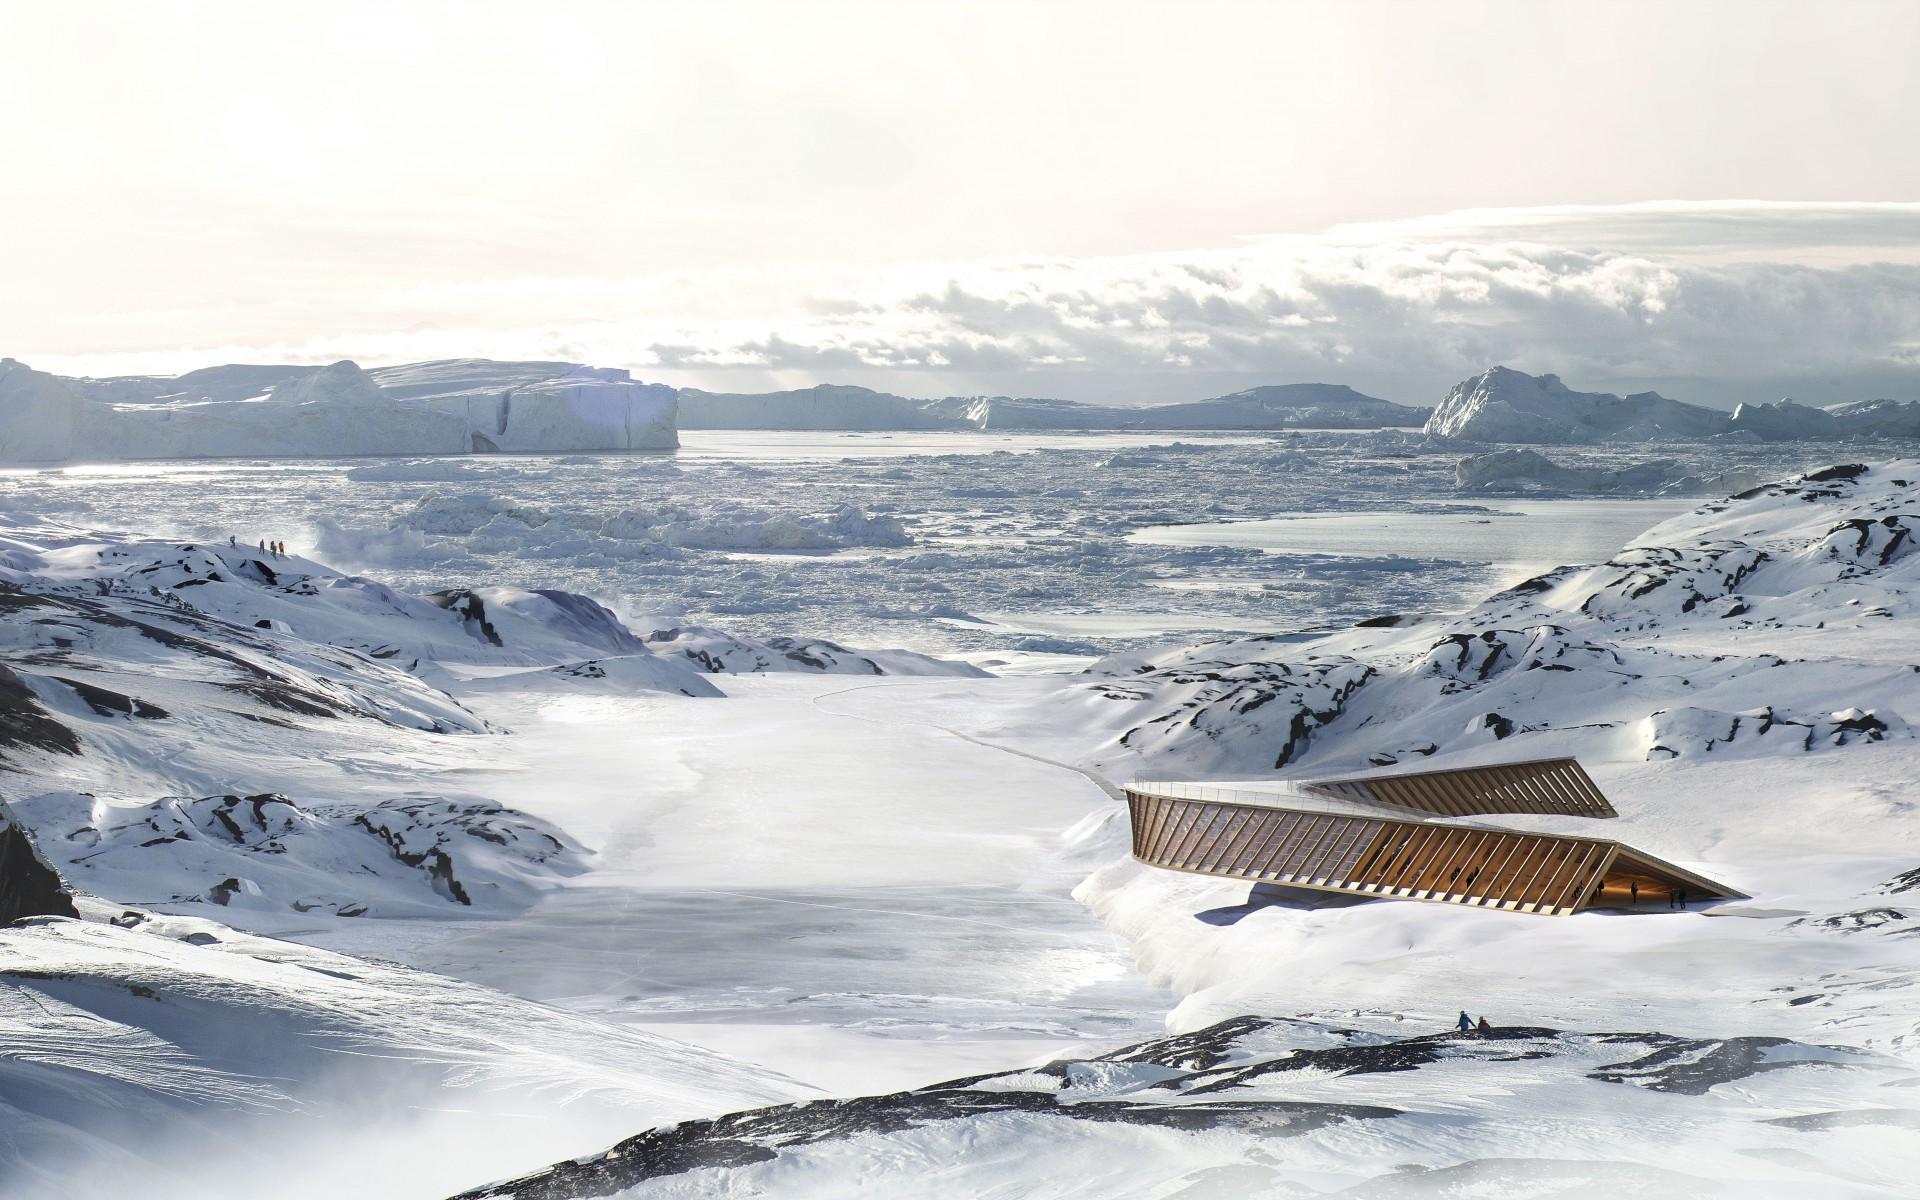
476,405
849,408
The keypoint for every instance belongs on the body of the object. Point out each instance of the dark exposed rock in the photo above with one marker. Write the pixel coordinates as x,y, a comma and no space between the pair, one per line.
25,723
1854,922
28,886
108,703
1840,471
759,1135
471,610
1196,1051
1905,881
1692,1067
288,698
1227,1057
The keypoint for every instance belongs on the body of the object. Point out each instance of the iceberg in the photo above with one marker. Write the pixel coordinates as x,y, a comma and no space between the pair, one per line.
1504,405
456,406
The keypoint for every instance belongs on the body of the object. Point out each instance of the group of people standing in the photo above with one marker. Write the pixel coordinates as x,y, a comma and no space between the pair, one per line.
270,549
1467,1025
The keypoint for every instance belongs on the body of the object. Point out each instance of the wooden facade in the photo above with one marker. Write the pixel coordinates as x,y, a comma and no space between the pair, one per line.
1367,844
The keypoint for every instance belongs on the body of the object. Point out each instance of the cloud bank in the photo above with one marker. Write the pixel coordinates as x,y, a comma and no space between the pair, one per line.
1711,302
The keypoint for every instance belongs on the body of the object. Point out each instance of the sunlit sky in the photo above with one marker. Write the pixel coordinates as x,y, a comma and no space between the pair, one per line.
1103,201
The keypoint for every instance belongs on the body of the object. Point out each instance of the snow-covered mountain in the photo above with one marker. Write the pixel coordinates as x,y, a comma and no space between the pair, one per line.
451,407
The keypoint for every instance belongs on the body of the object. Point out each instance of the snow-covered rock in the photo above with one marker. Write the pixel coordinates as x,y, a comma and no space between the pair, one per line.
718,652
1503,405
1681,644
623,674
403,856
1264,1106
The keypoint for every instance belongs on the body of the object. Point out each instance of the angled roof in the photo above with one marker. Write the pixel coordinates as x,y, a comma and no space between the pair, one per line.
1402,836
1556,786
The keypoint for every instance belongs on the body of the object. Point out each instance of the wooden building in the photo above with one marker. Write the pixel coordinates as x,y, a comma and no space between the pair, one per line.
1406,836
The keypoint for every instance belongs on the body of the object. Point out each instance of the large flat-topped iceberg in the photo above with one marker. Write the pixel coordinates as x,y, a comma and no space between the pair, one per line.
457,406
541,406
334,411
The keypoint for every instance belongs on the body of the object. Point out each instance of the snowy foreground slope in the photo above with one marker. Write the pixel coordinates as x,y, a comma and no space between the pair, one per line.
208,730
1740,680
205,740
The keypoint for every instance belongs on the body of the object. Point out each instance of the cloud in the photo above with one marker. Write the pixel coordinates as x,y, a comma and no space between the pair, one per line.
1329,307
1723,301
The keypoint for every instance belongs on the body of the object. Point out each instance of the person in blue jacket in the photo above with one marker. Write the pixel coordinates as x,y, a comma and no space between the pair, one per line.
1466,1022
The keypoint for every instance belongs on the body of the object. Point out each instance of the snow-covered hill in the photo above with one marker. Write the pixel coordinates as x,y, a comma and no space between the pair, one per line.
202,737
1263,1106
186,1055
1703,632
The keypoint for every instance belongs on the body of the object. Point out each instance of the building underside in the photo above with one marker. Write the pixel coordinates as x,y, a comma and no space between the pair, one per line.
1400,836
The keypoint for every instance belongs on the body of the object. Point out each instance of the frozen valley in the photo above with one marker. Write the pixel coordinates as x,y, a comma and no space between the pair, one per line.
535,807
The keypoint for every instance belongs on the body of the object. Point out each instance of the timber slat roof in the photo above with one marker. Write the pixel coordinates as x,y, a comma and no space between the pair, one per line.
1549,785
1388,843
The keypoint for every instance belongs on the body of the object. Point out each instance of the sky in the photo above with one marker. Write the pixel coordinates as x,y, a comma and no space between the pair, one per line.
1118,201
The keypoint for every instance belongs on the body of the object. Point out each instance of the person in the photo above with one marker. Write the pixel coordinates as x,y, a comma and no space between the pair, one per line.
263,545
232,542
279,549
1680,899
1466,1022
1484,1029
1633,892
